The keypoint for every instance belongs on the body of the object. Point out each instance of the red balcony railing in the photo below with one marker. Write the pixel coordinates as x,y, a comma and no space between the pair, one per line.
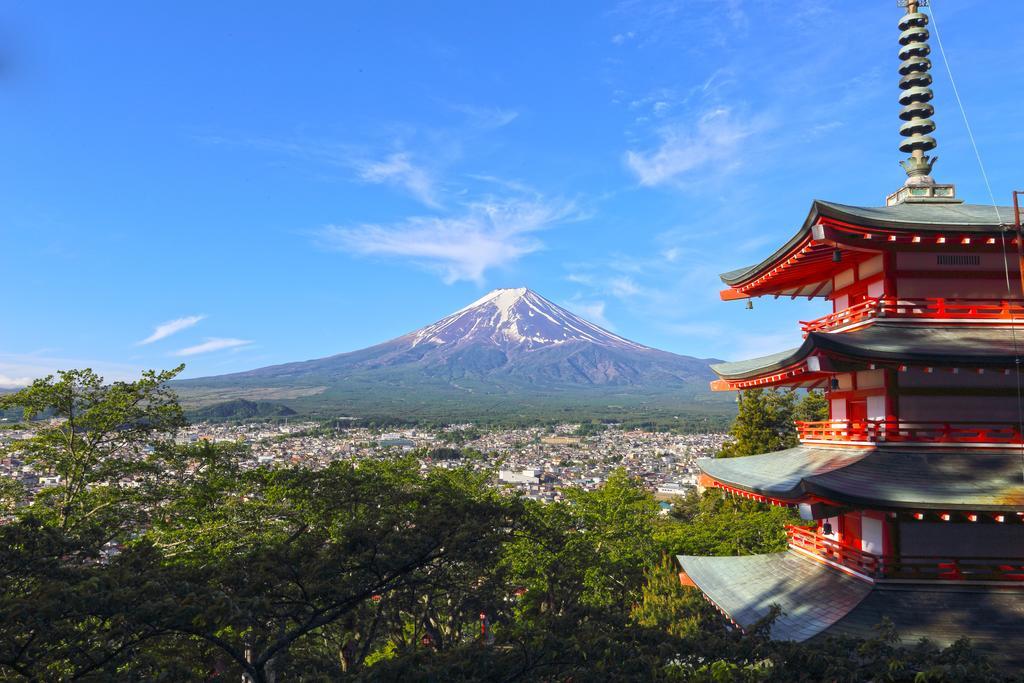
913,568
967,310
907,431
826,548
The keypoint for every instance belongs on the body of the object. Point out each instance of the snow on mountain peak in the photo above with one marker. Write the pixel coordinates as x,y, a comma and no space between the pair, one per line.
517,318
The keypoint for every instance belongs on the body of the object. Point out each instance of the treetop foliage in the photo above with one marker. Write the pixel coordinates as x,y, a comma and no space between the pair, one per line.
765,420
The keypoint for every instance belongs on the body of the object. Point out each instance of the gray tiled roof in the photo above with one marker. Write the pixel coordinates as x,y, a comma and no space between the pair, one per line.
992,617
920,217
886,477
751,367
812,597
964,479
818,602
894,341
780,474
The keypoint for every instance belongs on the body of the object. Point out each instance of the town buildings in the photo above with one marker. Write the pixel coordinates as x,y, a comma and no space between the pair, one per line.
536,462
914,488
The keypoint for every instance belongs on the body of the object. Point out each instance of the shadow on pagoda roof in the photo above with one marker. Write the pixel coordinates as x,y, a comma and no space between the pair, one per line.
887,477
811,596
817,602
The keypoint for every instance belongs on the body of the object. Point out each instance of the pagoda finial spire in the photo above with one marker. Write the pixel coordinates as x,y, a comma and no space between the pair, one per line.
916,95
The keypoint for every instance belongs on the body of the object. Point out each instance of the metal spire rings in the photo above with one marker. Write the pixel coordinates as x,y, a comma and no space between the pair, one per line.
916,95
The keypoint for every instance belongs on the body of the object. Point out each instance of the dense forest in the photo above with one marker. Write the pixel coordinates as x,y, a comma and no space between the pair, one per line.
155,561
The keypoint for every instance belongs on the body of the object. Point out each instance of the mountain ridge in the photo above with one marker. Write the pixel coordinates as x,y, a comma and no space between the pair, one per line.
510,346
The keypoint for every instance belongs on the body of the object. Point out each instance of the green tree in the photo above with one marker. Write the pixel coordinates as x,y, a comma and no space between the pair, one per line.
587,552
260,565
813,407
95,441
711,523
763,424
65,594
669,606
765,420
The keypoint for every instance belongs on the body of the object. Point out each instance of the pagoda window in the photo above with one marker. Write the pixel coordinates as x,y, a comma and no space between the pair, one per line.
872,533
838,409
876,407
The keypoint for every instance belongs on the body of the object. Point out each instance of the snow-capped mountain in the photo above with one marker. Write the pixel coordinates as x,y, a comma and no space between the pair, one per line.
517,319
512,344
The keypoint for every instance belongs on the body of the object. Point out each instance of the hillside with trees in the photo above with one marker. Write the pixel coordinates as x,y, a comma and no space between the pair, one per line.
156,561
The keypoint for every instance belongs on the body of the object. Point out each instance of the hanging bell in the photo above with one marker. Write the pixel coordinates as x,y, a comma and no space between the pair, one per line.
750,304
837,256
826,528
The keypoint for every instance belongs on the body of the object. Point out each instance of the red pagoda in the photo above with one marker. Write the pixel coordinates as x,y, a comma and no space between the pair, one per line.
915,483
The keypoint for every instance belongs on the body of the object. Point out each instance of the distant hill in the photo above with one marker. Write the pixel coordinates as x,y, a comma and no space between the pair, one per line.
241,409
510,352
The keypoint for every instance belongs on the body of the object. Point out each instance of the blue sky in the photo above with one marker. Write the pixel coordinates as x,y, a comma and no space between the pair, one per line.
238,184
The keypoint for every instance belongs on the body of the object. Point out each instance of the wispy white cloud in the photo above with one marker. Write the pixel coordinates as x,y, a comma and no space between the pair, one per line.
590,310
164,330
487,117
710,146
213,344
395,169
623,287
412,158
399,170
580,278
486,235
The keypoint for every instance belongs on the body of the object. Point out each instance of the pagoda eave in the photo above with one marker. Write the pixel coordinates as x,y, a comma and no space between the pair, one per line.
809,373
880,477
882,344
812,596
836,236
818,602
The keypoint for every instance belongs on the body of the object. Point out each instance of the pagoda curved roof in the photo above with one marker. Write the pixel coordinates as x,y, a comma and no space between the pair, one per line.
812,597
818,602
957,345
781,474
919,217
885,477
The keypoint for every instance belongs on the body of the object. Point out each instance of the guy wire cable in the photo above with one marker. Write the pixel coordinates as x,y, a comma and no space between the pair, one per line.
1002,231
